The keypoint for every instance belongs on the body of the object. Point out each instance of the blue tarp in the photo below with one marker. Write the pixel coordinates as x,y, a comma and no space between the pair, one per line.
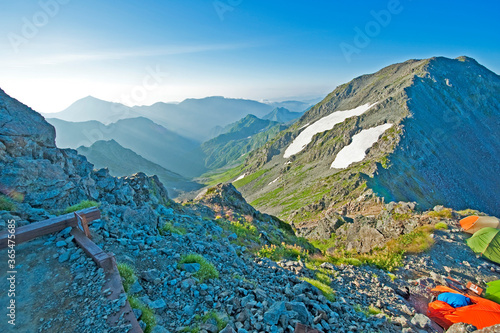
455,300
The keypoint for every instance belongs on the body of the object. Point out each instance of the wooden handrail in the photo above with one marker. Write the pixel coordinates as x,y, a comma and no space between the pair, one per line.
37,229
81,233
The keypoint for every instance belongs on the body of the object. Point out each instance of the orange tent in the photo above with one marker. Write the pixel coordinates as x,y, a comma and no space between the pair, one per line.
471,224
482,313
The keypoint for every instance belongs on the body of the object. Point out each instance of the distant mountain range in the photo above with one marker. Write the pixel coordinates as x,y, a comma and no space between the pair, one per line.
193,118
239,139
146,138
124,162
282,115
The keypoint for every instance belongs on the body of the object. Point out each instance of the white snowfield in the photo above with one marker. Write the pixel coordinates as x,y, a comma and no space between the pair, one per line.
274,181
356,150
240,177
324,124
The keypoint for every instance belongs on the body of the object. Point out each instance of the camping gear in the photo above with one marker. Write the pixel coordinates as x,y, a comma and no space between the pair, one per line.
455,300
486,242
471,224
475,288
493,291
481,313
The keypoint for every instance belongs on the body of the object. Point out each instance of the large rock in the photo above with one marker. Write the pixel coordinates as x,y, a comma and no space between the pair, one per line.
302,314
461,328
272,316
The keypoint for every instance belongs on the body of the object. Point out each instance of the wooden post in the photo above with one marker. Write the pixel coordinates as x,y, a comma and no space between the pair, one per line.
83,224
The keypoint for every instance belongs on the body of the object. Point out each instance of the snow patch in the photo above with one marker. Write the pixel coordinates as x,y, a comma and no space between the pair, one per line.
241,177
304,126
356,150
274,181
324,124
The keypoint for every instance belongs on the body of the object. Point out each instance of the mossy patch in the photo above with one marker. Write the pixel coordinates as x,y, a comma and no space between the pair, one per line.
207,269
148,316
81,205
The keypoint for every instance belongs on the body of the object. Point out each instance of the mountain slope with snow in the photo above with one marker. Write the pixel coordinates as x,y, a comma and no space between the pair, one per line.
422,130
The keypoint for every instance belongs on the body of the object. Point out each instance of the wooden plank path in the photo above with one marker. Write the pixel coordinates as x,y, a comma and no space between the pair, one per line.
79,222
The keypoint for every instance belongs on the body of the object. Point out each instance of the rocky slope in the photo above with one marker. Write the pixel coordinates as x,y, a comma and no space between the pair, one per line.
441,114
235,287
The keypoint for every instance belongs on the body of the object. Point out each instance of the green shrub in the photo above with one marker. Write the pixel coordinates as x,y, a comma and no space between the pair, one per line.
441,226
82,205
325,289
127,274
207,269
444,213
469,212
401,217
212,316
168,227
370,311
221,323
323,278
283,251
148,316
6,204
244,230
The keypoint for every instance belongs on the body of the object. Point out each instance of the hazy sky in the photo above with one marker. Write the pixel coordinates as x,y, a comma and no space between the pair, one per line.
53,52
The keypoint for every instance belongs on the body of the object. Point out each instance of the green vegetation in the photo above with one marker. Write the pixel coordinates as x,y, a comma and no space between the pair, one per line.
283,251
267,198
441,226
324,244
250,178
325,289
82,205
148,316
389,257
244,279
221,175
469,212
445,213
207,269
6,204
401,217
370,311
168,227
245,230
211,316
392,276
128,276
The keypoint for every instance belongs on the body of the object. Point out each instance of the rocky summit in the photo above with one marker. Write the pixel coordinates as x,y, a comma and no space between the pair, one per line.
349,254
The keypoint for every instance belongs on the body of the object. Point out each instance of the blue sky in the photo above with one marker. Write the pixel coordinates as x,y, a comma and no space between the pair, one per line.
263,50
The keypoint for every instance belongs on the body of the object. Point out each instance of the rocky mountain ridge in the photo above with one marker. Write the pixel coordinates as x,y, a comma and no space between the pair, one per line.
455,99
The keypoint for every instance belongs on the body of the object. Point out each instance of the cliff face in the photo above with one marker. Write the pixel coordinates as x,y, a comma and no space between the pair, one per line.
449,152
37,174
30,164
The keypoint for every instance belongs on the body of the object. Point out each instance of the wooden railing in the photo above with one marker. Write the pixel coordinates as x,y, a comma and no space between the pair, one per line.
79,222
